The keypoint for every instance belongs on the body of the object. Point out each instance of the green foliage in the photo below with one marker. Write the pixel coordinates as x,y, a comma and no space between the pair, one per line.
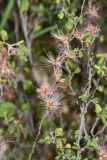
4,35
103,116
58,132
22,53
46,140
41,10
7,111
26,107
78,52
92,143
88,37
27,85
98,108
84,96
61,15
58,1
70,24
6,13
24,5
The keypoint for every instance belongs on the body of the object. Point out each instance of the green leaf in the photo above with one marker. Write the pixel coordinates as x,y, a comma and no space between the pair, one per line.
70,25
11,128
22,53
93,143
103,117
24,5
58,132
58,1
48,140
61,15
26,107
59,144
76,146
68,1
41,141
98,108
4,35
7,110
68,146
101,38
20,42
27,85
44,31
100,88
84,96
6,13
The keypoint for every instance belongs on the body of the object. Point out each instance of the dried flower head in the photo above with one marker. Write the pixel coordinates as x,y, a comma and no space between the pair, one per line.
102,155
47,89
53,102
52,61
68,53
9,93
3,56
43,90
92,12
93,29
64,39
51,96
76,34
6,72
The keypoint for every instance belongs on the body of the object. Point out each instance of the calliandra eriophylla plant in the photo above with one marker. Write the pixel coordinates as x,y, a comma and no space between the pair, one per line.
71,88
76,52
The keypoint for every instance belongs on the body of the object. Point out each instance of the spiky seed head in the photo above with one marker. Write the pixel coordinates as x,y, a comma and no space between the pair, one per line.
102,154
63,38
54,102
52,61
92,12
93,29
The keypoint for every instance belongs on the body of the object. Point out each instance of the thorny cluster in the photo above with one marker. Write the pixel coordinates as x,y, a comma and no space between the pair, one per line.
51,94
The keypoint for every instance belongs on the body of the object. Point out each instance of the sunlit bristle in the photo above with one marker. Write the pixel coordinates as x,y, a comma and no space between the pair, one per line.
93,29
63,38
51,96
68,53
54,61
92,12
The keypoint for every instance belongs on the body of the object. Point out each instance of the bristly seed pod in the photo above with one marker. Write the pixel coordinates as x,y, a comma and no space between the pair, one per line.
102,154
64,39
68,53
92,12
52,61
51,96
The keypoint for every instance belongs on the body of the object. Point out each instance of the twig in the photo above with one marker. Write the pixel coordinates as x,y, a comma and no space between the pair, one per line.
85,105
82,7
102,130
92,130
70,78
26,32
39,131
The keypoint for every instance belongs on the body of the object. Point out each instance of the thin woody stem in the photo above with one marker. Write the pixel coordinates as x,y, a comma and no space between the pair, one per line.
39,131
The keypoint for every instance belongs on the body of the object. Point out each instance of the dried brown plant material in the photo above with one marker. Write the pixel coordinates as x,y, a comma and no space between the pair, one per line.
3,56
